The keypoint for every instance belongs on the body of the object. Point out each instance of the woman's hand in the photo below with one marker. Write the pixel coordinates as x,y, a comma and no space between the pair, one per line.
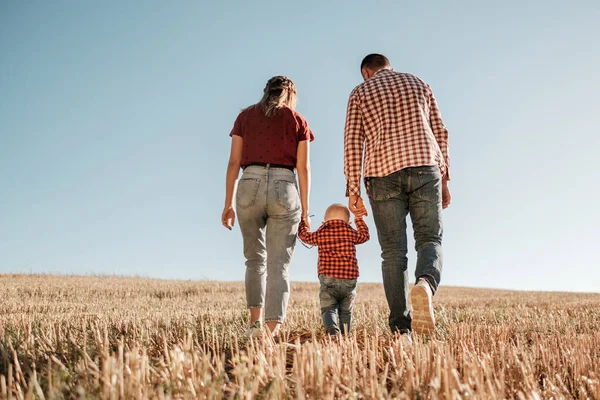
228,217
306,219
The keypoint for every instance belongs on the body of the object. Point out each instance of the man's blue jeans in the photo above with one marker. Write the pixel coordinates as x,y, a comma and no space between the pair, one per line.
418,191
337,300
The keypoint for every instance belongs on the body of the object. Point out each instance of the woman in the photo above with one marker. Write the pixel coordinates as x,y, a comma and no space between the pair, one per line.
269,141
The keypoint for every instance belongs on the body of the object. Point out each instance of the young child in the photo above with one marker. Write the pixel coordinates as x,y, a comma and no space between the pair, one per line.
338,267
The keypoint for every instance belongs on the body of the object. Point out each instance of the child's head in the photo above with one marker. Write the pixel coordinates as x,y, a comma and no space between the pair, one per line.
337,211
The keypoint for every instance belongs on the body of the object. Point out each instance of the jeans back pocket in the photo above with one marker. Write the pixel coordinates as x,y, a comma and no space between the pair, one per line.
429,183
383,188
246,192
350,284
287,196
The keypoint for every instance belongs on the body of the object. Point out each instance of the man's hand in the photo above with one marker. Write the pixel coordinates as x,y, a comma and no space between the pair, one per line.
446,195
228,217
357,206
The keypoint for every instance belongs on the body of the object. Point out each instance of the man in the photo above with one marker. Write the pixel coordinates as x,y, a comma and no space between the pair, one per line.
394,118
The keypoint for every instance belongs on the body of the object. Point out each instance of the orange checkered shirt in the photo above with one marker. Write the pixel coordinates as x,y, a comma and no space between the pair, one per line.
337,242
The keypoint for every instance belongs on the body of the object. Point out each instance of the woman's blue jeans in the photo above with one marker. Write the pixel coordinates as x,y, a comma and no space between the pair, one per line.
268,209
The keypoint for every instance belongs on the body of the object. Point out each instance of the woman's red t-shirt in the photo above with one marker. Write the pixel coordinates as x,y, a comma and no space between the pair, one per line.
271,140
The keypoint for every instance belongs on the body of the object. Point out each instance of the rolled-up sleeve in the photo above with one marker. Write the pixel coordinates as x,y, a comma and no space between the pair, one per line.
354,139
440,132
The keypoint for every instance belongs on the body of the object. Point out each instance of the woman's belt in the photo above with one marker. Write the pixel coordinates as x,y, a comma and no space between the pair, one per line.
269,165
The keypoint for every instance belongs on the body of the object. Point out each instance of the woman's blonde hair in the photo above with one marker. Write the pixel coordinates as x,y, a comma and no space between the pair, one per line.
280,91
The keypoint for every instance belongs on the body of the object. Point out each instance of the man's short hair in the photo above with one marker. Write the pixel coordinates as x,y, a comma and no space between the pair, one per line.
374,61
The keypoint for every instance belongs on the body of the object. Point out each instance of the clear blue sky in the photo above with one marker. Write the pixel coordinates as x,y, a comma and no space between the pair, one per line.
114,123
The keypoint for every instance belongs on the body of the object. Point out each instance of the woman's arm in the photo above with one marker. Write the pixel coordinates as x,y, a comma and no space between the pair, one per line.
303,170
233,170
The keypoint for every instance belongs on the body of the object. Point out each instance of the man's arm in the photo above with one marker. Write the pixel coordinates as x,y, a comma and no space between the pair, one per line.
362,231
354,139
440,132
306,236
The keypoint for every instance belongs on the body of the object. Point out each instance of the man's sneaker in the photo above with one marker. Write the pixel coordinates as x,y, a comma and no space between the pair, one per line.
254,331
423,320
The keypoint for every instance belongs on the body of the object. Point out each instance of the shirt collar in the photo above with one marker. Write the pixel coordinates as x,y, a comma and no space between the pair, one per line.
382,69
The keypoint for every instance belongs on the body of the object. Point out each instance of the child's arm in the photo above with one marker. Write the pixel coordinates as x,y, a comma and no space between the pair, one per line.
306,236
362,233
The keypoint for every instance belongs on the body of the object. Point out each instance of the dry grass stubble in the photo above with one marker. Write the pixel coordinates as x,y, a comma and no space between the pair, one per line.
65,337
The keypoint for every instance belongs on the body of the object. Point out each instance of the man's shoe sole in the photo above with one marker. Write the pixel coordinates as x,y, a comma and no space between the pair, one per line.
423,320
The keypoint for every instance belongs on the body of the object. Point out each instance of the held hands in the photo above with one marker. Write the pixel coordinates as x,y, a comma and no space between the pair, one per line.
357,206
228,217
306,220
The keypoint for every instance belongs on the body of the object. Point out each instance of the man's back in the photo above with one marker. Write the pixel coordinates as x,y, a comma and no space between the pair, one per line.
396,117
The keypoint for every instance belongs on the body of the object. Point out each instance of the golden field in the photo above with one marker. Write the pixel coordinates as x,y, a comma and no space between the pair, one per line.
112,337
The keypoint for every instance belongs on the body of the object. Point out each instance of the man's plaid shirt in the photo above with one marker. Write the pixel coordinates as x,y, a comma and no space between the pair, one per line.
395,119
337,242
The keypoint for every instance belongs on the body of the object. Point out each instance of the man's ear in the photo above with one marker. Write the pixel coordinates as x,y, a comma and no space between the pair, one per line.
365,73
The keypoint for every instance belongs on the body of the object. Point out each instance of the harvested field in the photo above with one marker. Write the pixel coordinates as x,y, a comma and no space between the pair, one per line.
113,337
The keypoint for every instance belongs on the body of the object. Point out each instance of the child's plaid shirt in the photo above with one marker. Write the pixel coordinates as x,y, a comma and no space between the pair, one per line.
337,242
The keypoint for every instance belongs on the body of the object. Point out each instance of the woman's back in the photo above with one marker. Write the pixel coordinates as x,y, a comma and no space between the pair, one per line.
272,139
